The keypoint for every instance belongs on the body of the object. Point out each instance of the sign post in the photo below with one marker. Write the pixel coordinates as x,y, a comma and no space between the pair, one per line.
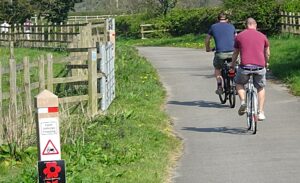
51,167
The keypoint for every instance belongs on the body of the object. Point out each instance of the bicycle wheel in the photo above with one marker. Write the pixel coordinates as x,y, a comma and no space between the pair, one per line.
223,96
251,112
254,112
232,93
249,119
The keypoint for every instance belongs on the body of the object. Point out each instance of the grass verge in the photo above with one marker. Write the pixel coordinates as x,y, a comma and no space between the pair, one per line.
132,143
285,60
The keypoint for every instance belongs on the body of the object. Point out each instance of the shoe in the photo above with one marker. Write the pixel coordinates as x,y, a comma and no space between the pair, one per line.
242,109
261,116
219,91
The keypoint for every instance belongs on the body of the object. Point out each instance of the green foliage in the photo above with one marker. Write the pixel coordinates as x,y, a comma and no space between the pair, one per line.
291,5
196,21
178,22
266,13
167,5
129,26
16,12
55,11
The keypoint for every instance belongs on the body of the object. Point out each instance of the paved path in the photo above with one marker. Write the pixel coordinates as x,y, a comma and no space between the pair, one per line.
217,147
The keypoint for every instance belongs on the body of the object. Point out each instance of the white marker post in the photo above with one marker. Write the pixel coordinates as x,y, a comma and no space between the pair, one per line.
48,126
50,166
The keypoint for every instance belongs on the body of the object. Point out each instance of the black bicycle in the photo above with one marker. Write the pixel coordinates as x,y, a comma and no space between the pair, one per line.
229,90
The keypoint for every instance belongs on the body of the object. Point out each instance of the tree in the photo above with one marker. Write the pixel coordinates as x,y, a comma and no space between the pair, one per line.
54,10
167,5
15,11
266,13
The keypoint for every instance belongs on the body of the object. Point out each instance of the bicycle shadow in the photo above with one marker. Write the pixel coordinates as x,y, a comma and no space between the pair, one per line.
227,130
200,103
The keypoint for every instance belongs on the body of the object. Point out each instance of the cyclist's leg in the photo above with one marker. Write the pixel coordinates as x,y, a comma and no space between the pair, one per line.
241,79
218,64
260,83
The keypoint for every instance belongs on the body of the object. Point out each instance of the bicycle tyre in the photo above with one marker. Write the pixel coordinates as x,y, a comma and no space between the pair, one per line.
223,96
232,93
254,113
251,113
248,117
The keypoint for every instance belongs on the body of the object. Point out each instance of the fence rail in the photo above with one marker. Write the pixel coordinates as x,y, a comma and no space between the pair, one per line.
148,29
290,22
55,35
90,64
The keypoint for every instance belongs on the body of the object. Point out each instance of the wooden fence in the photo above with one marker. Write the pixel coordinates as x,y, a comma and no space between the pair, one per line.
290,22
55,35
88,66
149,29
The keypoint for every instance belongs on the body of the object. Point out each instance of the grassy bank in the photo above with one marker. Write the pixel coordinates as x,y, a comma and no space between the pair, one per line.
132,143
284,61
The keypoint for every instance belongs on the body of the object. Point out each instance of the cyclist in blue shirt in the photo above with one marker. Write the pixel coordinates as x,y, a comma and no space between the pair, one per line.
223,34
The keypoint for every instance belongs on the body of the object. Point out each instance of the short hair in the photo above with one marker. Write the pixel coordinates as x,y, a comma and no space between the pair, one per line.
222,16
251,21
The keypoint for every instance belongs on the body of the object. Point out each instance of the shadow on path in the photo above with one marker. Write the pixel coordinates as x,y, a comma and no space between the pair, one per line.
200,103
228,130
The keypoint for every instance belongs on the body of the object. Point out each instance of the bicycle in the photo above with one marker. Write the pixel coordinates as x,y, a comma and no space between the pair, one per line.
251,101
228,84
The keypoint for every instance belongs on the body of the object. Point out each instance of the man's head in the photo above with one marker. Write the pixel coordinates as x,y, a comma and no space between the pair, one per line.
251,23
222,17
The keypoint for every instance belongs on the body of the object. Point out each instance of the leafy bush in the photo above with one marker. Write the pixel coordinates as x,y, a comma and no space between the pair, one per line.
178,22
195,21
129,26
266,13
291,5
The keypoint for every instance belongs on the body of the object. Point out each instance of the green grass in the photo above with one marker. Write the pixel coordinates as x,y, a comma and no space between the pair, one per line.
132,143
187,41
33,54
285,60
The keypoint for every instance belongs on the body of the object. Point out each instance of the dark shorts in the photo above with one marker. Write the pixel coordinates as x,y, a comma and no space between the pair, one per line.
259,79
220,57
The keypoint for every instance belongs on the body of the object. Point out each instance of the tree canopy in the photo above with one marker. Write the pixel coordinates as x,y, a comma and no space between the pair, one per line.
16,11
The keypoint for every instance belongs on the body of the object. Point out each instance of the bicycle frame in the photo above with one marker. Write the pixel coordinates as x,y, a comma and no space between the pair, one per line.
228,85
251,98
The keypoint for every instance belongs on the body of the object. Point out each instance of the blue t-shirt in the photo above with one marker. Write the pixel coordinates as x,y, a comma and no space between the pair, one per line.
223,34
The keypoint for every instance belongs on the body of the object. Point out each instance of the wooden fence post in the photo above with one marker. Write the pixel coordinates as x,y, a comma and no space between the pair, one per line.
286,21
298,23
13,86
282,21
41,73
28,101
290,22
294,23
43,35
92,76
1,117
49,35
142,32
50,72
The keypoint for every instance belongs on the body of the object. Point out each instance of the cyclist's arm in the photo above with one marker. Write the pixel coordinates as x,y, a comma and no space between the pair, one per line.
267,55
234,57
207,43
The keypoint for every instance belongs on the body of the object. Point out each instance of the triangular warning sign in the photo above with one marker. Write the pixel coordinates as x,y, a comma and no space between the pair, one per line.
50,149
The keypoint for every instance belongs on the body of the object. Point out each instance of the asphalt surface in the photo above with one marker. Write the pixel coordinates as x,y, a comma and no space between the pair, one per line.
217,146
